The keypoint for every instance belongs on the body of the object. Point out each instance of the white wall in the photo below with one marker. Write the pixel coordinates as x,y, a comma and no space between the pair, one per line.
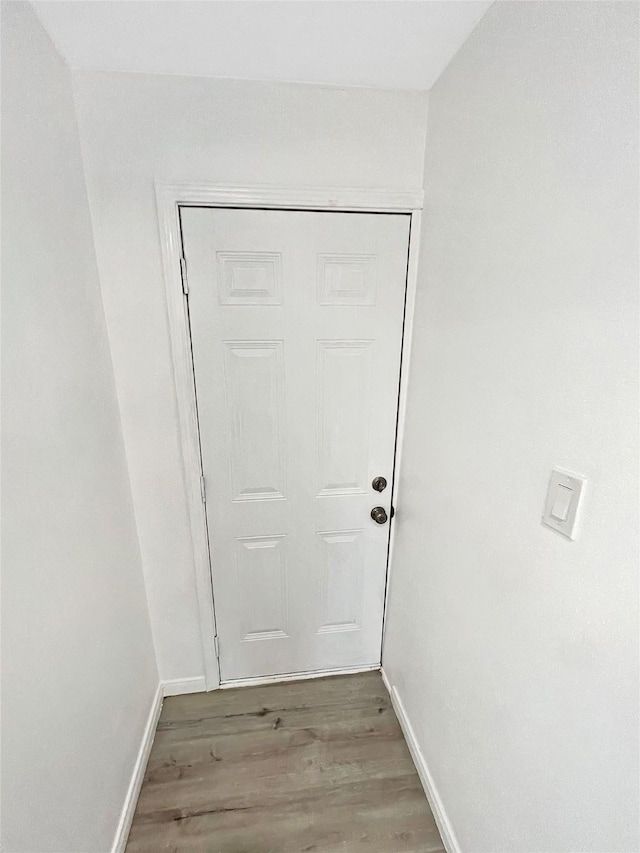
79,672
514,650
136,128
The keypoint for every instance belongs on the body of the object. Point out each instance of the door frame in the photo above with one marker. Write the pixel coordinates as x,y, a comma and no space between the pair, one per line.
169,198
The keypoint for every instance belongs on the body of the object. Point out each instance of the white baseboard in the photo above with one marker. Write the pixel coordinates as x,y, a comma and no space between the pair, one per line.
178,686
444,824
131,799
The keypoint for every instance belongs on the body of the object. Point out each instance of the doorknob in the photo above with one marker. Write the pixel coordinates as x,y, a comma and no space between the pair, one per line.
379,484
378,515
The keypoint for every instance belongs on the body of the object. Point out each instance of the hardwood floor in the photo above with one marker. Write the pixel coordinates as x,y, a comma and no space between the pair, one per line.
317,765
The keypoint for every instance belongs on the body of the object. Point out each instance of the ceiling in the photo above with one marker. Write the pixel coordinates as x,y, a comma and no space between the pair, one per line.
392,44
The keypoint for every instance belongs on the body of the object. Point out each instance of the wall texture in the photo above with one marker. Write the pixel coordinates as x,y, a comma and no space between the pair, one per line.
137,128
79,672
514,650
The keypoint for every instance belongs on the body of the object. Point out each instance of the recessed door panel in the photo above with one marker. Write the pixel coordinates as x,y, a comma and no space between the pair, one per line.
341,563
347,279
249,278
344,410
262,584
253,372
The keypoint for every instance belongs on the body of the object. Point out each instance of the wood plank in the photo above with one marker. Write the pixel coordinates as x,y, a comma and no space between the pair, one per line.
363,688
318,765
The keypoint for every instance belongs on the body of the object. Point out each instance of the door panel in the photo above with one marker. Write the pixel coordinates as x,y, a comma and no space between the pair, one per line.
296,326
344,408
341,568
262,585
254,381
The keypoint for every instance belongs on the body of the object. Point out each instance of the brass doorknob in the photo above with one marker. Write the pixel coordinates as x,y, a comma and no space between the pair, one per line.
378,514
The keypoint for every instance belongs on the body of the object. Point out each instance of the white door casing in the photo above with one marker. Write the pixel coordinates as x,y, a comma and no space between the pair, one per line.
296,326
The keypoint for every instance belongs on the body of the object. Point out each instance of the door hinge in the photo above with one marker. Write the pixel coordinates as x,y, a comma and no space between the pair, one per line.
216,646
203,490
183,274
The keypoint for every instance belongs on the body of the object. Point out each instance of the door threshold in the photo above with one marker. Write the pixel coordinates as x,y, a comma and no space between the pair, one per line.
295,676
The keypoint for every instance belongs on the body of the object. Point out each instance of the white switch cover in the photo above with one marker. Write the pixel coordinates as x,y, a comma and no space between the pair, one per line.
562,509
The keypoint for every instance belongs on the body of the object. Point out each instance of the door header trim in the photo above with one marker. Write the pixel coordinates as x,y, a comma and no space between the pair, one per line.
312,198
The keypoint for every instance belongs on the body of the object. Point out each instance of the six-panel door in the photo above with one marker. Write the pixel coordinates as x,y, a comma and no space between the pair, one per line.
296,324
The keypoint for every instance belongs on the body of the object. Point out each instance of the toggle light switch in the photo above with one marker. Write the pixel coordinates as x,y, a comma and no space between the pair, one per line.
563,502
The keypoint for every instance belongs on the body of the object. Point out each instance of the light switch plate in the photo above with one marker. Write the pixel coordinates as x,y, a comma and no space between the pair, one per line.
564,499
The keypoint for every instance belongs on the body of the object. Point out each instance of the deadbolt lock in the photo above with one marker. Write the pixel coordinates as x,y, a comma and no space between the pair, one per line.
379,484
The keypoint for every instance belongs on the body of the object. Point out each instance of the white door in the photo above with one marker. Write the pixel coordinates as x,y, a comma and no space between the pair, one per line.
296,323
